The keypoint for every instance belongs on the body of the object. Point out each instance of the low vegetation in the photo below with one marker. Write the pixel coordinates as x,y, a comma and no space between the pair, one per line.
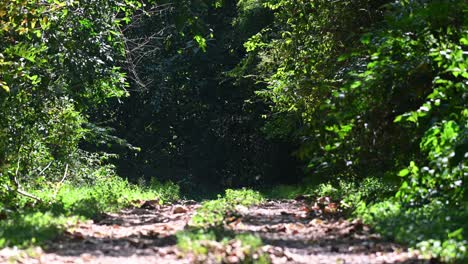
213,212
435,229
208,238
32,223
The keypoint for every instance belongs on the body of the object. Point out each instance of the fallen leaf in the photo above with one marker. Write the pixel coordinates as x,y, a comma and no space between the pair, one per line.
316,222
152,233
78,235
179,210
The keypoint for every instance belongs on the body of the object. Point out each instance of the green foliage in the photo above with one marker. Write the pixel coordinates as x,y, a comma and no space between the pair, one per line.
106,195
354,88
203,243
32,224
371,88
353,193
213,212
340,95
207,237
57,62
435,228
244,197
196,120
285,191
32,228
192,241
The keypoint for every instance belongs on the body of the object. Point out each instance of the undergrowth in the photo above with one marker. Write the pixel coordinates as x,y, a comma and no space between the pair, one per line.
435,229
214,245
350,193
26,223
209,240
212,213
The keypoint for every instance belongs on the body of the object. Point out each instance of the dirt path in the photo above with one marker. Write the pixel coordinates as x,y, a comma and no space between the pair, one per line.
289,233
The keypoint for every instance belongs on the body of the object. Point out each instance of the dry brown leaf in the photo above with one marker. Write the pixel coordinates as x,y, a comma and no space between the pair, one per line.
316,222
179,210
78,235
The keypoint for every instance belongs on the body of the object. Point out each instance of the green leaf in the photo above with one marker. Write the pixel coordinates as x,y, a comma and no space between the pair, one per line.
201,42
457,234
4,86
464,41
403,172
366,38
356,84
342,57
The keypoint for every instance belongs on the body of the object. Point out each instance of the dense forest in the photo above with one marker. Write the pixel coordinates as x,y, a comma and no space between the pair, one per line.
109,102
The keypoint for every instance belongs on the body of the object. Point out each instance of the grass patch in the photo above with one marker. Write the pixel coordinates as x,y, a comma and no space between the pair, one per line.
212,213
218,245
209,241
28,224
31,228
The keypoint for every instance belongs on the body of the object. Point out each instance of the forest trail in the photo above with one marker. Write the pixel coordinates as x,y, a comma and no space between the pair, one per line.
289,233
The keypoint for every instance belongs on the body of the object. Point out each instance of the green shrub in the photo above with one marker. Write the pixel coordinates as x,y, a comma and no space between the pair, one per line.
33,223
243,197
327,189
435,228
352,193
212,213
191,241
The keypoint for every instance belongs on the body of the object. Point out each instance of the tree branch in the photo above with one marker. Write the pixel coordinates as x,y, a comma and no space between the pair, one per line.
18,186
61,182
